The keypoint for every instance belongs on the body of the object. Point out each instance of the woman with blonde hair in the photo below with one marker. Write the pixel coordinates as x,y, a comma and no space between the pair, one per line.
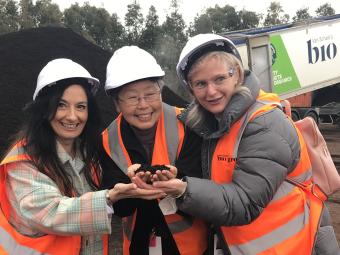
252,159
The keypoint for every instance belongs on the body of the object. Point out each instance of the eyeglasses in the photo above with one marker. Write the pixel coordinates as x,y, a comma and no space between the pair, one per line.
134,100
201,85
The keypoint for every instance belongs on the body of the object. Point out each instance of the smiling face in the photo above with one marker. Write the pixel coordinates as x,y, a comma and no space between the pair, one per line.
213,82
140,103
71,115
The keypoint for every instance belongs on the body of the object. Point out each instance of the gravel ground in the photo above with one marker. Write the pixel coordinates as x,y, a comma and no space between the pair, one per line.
332,136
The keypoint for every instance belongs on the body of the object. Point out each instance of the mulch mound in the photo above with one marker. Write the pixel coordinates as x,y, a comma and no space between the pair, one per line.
23,54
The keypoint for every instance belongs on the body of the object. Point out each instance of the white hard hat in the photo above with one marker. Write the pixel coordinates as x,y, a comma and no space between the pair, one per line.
197,46
129,64
60,69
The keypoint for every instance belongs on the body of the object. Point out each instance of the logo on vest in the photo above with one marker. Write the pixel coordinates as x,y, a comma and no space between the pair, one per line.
226,158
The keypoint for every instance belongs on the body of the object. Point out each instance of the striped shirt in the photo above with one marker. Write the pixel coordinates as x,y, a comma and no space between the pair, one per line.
38,207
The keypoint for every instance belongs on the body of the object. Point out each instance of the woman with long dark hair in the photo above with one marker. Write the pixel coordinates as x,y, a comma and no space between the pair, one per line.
49,196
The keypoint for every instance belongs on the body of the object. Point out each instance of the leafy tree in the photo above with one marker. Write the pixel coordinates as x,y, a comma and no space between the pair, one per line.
170,44
248,19
9,16
98,24
224,18
95,24
26,19
174,24
74,18
275,15
202,24
133,23
47,13
302,14
152,30
116,34
325,10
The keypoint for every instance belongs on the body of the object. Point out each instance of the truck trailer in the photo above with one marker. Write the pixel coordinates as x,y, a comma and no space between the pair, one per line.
296,61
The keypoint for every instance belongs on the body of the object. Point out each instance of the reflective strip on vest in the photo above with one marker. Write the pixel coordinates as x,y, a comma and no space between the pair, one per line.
286,187
171,134
15,154
274,237
181,225
116,152
12,247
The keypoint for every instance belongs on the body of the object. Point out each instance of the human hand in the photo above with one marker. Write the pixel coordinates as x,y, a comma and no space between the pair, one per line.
122,190
160,175
174,187
148,173
165,175
140,183
135,170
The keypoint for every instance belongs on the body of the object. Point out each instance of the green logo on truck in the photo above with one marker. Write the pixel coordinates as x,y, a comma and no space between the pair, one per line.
284,76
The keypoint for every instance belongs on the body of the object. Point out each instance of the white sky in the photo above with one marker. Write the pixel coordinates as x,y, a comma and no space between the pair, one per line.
189,8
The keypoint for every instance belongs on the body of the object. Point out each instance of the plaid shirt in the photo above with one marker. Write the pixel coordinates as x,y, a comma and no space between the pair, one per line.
38,207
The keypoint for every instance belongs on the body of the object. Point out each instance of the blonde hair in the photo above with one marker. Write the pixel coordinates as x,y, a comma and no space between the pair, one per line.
197,114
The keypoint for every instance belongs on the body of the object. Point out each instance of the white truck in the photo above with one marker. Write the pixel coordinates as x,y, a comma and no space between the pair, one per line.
296,61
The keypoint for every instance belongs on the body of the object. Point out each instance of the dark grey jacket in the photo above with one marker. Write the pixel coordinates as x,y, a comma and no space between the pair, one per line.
269,150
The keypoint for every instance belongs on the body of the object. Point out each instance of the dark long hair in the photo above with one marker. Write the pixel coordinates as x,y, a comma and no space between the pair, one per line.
40,139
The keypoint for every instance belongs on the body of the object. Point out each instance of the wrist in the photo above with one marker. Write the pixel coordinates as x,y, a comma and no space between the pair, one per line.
107,197
112,196
184,183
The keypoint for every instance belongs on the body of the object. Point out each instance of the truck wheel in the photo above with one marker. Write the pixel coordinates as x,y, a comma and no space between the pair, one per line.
314,116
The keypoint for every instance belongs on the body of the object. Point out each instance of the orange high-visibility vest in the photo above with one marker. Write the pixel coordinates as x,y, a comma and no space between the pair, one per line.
168,142
289,223
12,242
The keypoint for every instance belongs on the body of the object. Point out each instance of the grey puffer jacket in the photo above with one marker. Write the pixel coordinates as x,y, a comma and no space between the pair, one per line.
269,150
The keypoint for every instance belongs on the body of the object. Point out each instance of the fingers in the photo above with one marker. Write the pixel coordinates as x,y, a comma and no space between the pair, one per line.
162,184
173,170
154,196
172,184
169,174
146,193
122,187
149,194
132,169
172,187
164,175
159,176
141,183
147,177
122,190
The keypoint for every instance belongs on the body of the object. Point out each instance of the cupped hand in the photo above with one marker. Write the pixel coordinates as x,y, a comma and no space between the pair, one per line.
140,183
122,190
145,176
132,169
174,187
165,175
